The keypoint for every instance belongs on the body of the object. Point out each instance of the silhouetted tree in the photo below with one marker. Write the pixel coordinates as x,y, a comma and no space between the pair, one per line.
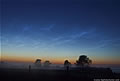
38,62
67,64
83,60
47,63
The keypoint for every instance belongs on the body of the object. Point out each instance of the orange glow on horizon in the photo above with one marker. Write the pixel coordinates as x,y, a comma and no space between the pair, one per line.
55,60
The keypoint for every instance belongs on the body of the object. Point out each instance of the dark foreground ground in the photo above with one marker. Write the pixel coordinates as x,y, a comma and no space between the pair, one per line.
82,74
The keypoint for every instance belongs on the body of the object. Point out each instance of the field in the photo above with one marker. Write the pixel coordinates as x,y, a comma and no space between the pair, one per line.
74,74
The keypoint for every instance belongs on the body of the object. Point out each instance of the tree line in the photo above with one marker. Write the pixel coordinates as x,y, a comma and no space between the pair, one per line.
83,60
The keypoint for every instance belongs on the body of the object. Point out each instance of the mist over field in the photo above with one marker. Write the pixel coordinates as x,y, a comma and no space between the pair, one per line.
8,65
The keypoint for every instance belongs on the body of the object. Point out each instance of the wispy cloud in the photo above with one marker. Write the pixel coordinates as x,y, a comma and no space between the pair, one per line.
67,39
57,38
47,28
27,28
62,41
105,43
78,35
26,41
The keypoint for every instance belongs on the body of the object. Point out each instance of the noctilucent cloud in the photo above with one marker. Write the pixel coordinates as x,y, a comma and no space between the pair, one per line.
61,28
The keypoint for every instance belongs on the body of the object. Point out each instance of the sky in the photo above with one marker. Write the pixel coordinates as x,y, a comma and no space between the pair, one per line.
56,30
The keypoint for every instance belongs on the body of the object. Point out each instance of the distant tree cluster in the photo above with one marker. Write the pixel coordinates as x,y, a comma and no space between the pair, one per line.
82,61
45,64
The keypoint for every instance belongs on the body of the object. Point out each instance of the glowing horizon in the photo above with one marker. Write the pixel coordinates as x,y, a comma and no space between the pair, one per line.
56,60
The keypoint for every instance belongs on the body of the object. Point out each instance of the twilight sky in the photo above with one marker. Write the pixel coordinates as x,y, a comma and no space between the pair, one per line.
56,30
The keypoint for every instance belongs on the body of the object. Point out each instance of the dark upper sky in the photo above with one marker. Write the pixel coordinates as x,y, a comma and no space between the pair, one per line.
61,27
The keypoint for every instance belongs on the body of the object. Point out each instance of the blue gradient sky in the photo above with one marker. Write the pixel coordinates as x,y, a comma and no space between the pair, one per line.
61,28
